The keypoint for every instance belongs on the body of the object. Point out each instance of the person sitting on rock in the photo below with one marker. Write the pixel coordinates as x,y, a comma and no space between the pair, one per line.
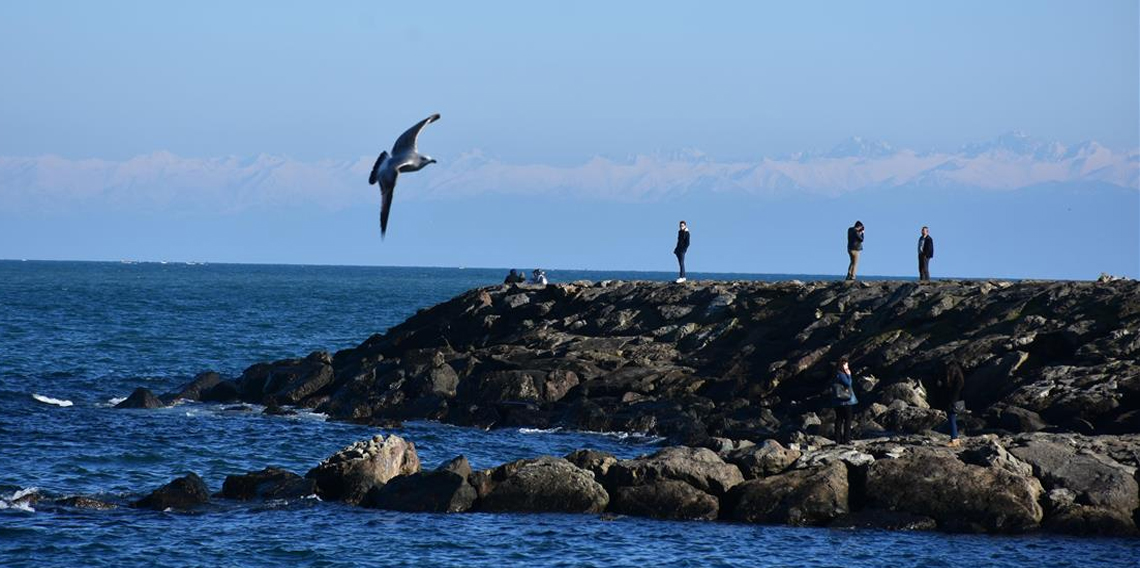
515,277
843,397
538,277
947,395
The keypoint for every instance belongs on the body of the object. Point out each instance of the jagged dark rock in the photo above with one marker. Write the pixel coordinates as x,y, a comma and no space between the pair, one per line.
194,390
269,483
185,492
141,398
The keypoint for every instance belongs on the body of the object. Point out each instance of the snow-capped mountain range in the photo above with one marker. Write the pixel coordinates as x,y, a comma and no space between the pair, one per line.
162,180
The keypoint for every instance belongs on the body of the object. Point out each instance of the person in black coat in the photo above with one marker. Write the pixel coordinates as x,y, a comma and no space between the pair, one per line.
681,248
854,247
925,253
946,394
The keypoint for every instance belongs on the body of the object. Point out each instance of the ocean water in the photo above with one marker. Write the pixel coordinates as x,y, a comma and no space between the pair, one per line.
75,337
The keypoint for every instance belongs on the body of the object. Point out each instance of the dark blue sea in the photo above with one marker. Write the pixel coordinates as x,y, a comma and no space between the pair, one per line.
75,337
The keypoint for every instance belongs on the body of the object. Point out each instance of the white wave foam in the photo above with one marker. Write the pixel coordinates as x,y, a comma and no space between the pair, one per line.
50,400
540,430
116,400
16,500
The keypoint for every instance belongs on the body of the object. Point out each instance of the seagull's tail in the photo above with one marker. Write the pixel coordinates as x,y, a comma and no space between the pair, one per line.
372,177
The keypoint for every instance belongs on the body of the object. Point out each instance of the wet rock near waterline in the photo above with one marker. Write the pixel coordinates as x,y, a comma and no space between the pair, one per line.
351,473
269,483
444,490
804,497
665,499
83,502
1088,492
960,497
183,493
544,484
141,398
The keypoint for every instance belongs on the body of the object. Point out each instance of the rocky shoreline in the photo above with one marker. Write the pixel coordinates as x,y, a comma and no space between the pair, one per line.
735,373
1066,483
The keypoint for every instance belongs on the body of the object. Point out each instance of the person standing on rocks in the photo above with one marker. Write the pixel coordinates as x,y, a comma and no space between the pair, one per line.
947,395
925,253
854,247
843,396
681,248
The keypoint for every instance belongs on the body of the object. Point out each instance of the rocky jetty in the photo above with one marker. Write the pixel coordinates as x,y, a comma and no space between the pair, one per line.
740,360
736,374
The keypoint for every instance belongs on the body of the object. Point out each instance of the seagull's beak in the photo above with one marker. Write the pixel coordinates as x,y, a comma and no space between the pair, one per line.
431,160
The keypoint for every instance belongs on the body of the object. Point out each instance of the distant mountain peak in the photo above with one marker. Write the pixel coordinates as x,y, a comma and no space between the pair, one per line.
859,147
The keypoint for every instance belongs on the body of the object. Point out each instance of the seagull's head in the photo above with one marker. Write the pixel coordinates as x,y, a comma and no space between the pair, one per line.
429,160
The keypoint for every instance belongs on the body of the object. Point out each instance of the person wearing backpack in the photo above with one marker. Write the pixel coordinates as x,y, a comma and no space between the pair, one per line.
844,400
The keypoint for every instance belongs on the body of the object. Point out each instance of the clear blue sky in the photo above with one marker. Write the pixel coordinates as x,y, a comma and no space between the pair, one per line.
551,84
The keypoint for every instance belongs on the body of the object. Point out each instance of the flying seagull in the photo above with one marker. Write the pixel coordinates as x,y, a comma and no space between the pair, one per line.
404,159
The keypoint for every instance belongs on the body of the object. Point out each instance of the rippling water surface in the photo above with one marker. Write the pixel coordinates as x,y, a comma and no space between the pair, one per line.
88,333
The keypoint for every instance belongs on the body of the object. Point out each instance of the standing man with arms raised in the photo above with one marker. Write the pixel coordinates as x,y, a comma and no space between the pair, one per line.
681,248
854,247
925,253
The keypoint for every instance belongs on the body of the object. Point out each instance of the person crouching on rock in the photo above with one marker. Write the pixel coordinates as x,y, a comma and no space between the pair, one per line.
843,395
681,248
947,395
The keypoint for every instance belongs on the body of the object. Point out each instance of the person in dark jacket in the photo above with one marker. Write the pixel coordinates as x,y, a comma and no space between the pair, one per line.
681,248
515,277
925,253
843,398
854,247
947,395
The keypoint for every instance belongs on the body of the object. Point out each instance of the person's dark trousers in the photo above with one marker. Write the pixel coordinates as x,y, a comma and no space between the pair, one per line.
843,423
854,265
923,267
681,262
952,417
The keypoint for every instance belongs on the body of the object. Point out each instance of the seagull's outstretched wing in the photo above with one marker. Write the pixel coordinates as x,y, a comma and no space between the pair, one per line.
387,189
407,141
375,175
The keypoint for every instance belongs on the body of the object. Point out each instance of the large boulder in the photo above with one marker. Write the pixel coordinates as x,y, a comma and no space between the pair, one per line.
349,474
290,381
805,497
699,467
1099,495
665,499
545,484
141,398
958,496
185,492
444,490
768,458
269,483
193,390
